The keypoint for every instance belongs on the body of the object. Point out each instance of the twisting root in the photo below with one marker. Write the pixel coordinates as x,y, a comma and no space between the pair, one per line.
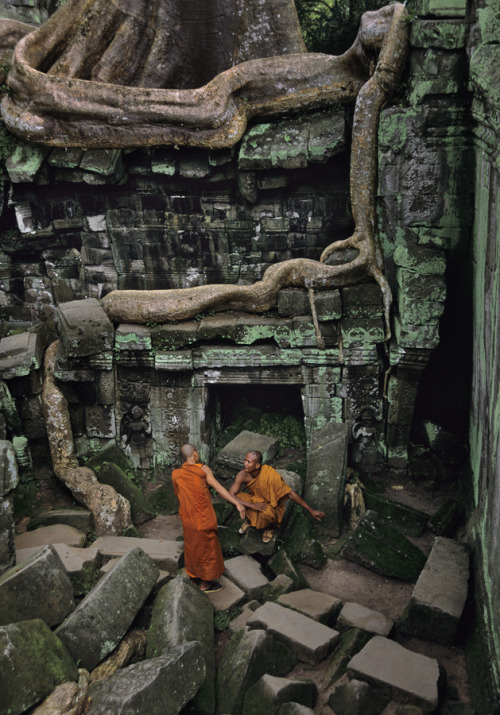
184,303
111,511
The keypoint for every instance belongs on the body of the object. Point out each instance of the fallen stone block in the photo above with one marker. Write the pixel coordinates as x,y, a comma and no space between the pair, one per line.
81,565
314,604
277,587
182,613
379,547
9,474
101,620
230,458
439,596
309,640
349,644
403,518
269,692
240,622
37,588
230,596
56,534
249,656
163,576
20,354
166,554
77,517
246,573
156,686
33,661
298,538
281,562
354,615
447,518
251,543
357,698
326,474
395,671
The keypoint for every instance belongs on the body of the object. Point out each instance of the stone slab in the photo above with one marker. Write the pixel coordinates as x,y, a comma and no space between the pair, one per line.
246,573
314,604
81,564
269,692
404,675
309,640
37,588
96,626
166,554
56,534
240,622
77,517
156,686
354,615
439,596
326,473
231,457
231,595
163,576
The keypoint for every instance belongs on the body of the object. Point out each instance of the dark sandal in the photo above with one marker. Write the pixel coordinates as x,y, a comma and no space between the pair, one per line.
214,587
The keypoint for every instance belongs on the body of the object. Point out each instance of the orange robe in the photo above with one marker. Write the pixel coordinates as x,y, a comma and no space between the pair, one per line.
202,551
268,487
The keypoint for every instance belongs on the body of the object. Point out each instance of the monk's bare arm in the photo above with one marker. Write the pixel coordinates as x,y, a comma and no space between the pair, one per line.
238,484
212,482
318,515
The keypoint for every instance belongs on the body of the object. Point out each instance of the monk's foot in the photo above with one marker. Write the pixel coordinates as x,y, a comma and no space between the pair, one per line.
211,586
244,527
267,535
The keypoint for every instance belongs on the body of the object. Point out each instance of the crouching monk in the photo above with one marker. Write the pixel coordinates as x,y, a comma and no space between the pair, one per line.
266,497
202,551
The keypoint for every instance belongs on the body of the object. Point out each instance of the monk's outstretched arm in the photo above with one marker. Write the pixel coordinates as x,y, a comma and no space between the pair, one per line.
212,482
315,513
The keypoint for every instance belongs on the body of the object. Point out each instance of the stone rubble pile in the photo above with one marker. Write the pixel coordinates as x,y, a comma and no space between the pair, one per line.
141,641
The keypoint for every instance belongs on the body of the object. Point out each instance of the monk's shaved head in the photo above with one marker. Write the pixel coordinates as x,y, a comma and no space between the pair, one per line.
256,455
187,451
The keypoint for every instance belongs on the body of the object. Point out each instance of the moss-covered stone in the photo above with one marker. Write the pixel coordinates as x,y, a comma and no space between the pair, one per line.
350,643
447,518
281,563
33,661
122,481
404,518
379,547
299,540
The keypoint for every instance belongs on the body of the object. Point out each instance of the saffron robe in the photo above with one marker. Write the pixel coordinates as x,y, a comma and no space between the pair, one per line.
202,552
268,487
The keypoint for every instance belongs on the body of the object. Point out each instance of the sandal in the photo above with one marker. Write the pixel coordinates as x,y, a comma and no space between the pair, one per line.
267,535
214,587
244,527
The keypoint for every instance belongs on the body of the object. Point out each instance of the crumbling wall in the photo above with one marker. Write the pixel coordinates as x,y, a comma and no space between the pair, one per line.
484,57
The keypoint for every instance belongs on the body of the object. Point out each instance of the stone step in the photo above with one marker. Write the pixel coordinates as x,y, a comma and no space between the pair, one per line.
354,615
166,554
406,676
314,604
246,573
309,640
56,534
77,517
439,596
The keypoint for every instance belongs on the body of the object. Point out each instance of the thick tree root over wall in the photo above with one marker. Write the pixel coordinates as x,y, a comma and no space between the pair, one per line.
111,510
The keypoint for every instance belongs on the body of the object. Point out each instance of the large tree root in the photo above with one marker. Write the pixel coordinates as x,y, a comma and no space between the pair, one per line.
180,304
111,510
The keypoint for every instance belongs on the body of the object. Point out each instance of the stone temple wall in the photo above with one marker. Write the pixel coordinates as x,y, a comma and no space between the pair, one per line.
484,56
79,224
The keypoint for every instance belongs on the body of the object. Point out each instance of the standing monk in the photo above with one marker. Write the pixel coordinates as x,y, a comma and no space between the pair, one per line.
202,551
268,492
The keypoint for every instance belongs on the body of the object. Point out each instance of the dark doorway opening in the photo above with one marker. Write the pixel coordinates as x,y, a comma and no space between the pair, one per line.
273,410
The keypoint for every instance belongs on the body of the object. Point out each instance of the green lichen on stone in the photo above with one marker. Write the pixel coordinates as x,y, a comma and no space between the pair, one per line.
447,35
441,8
424,261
